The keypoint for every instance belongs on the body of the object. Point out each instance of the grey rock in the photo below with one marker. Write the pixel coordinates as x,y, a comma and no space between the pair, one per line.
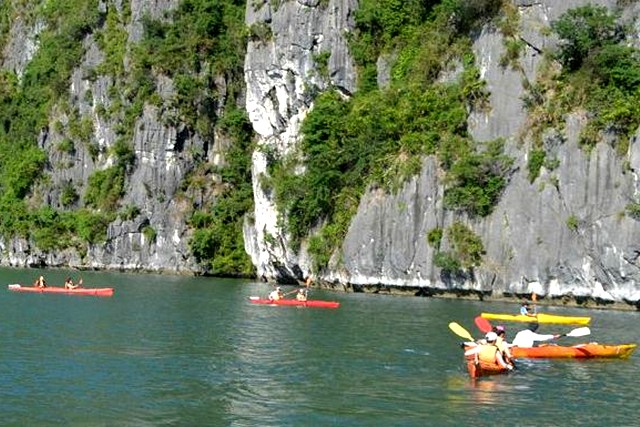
565,234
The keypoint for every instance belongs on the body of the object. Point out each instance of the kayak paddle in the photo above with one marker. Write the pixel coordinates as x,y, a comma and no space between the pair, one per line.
577,332
483,324
460,331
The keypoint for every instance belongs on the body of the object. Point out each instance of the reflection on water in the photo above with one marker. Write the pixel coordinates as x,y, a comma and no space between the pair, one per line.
193,351
578,371
488,391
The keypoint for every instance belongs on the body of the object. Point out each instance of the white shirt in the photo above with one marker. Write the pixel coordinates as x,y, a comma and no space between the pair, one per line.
275,295
526,338
525,311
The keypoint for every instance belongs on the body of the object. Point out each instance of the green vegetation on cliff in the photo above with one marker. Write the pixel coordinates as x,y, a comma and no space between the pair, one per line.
26,105
377,137
197,45
594,71
380,135
218,239
203,41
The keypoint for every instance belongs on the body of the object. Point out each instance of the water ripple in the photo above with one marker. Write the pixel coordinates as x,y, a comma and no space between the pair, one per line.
194,351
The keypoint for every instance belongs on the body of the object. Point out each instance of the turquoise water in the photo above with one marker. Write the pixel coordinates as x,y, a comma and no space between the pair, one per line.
194,352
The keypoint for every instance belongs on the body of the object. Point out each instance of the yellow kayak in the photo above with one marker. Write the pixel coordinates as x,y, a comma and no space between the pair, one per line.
540,318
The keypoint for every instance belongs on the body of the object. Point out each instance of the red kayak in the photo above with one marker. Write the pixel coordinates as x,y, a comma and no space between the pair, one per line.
99,292
307,303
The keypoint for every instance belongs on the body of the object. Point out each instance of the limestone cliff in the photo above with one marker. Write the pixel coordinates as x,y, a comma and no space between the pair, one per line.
278,72
164,155
529,246
563,235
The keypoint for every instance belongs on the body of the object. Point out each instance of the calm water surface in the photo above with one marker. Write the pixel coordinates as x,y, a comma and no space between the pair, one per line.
194,352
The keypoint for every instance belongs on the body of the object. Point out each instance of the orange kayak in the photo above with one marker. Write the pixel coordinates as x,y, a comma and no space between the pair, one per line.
581,351
479,368
99,292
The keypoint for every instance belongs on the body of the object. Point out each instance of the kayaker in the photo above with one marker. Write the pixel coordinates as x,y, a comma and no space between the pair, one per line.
525,310
301,295
68,284
276,294
40,282
528,337
501,342
489,352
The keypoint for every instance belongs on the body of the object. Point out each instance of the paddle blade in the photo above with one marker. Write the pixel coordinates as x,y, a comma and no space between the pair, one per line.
483,324
579,332
460,331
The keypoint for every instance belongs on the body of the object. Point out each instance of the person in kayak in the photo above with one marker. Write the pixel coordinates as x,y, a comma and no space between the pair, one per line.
501,342
490,353
525,310
68,284
276,294
528,337
301,295
40,282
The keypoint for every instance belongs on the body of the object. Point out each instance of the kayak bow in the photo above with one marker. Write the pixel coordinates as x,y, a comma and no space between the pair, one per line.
99,292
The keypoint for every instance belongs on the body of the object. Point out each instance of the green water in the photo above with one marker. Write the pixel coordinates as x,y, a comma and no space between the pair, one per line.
194,352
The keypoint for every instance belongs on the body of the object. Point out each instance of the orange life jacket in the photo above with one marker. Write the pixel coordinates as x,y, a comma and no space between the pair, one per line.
487,353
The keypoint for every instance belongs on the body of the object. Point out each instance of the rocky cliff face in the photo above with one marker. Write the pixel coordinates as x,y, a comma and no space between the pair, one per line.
278,73
164,154
529,245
